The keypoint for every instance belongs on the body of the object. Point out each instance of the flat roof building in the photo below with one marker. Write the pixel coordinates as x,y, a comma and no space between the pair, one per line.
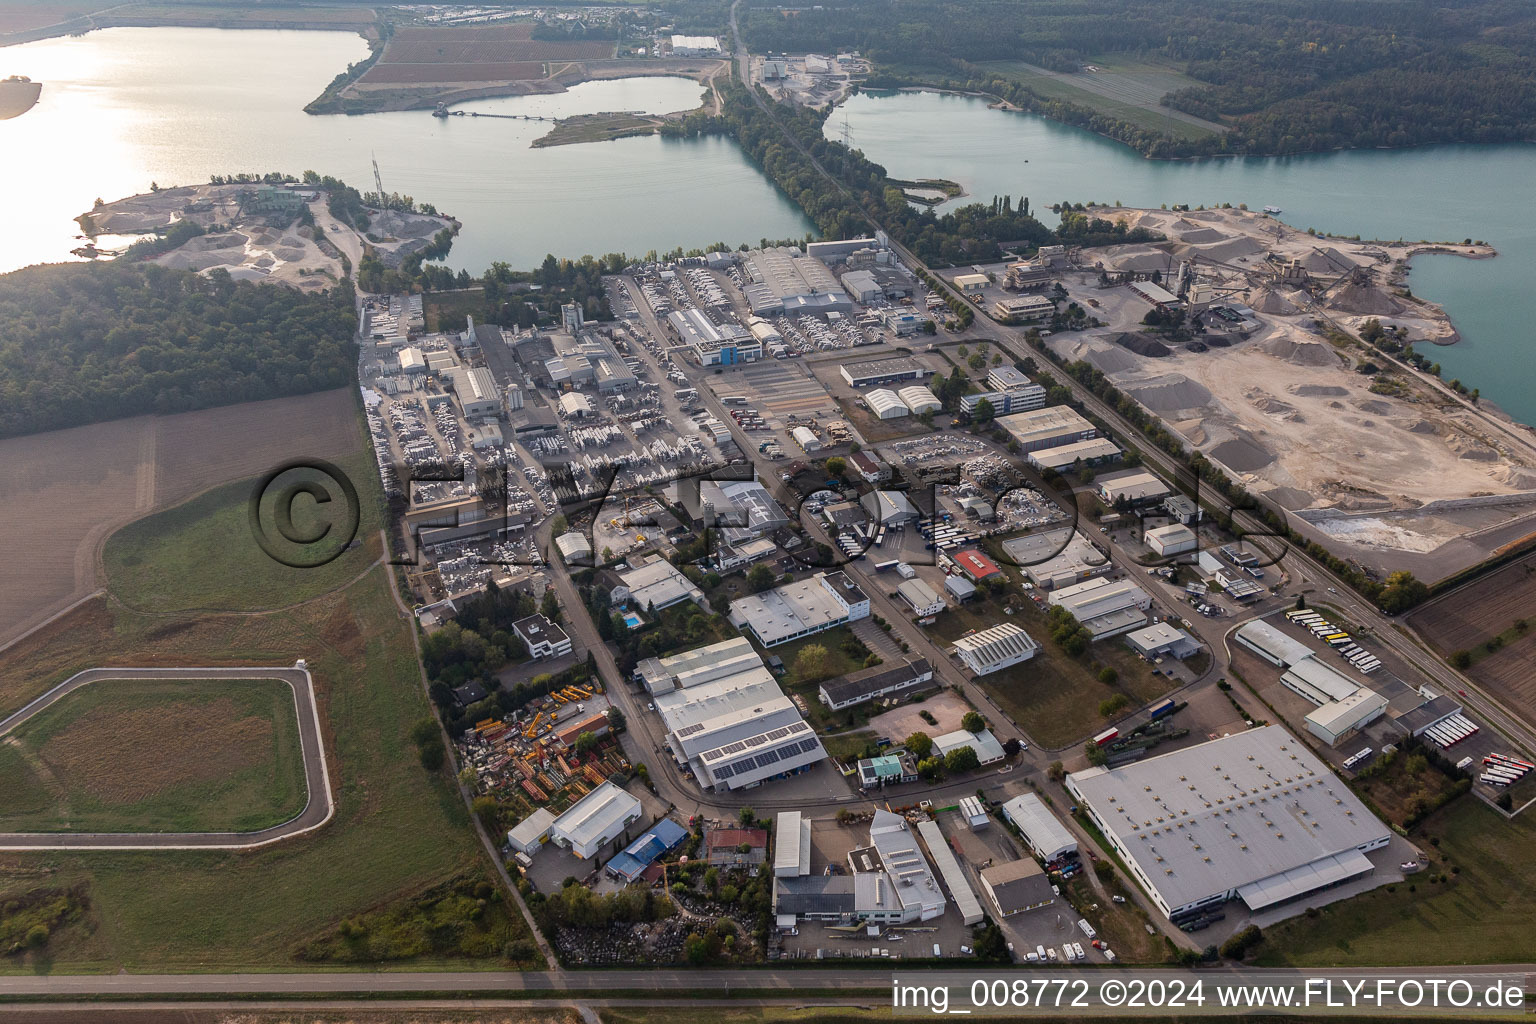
1092,452
988,750
1024,307
1174,539
595,820
1005,403
800,609
889,508
656,585
1057,558
1136,486
532,832
1017,886
544,638
1270,644
995,648
1050,427
869,372
949,869
1251,816
1104,607
1159,639
1044,834
791,845
922,598
783,279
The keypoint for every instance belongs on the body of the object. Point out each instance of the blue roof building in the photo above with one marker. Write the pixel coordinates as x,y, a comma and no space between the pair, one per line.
638,855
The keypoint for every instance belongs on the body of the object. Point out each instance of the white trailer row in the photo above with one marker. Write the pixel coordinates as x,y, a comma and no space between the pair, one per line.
1502,770
1336,638
1451,730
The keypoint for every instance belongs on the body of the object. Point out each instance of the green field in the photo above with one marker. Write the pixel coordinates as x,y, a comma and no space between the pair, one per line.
1128,91
1483,911
203,555
140,755
399,832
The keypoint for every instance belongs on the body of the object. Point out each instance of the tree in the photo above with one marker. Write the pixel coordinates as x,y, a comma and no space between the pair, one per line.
930,768
985,412
433,754
550,606
616,721
1401,592
962,760
586,742
1056,772
747,816
1096,754
812,664
973,722
759,578
837,465
1108,675
919,745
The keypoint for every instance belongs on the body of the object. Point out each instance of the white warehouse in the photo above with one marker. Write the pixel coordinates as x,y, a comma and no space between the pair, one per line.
995,648
886,404
919,399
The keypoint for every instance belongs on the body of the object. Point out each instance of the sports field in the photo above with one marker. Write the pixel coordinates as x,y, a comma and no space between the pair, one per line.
398,831
156,756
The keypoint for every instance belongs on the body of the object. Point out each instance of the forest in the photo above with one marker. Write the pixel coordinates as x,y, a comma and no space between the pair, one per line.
1285,78
90,342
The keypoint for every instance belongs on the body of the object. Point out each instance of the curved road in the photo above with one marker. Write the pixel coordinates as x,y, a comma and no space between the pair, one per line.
318,808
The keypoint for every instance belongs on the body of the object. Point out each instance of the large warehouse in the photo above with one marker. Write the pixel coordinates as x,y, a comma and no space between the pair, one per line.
995,648
800,609
1046,836
886,404
1050,427
868,372
726,717
1091,452
783,279
1104,607
1251,816
1057,558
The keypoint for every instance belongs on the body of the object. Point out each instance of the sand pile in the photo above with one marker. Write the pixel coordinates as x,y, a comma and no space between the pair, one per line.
1110,361
1328,261
1479,453
1289,498
1300,353
1228,251
1268,300
1374,406
1317,391
1269,404
1424,427
1141,344
1366,299
1141,259
1515,476
1171,393
1242,455
1200,235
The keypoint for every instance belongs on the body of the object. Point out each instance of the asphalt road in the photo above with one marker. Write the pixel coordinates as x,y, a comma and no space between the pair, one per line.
317,810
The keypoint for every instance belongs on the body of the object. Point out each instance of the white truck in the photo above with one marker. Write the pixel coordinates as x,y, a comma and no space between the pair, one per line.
1086,928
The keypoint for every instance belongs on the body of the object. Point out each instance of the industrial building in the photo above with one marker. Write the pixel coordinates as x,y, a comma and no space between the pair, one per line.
784,280
595,820
1103,607
1024,309
791,845
875,682
1017,886
715,344
741,509
726,717
695,46
1174,539
919,399
1135,486
723,847
889,508
1270,644
630,863
988,750
1251,816
476,391
1161,639
806,438
1093,452
995,648
871,468
886,404
1050,427
800,609
1007,378
869,372
1044,834
544,638
977,565
653,586
1004,403
922,598
971,284
574,548
1156,294
891,882
1340,718
960,889
532,832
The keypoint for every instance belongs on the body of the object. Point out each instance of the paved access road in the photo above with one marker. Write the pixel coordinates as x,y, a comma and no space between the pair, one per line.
317,809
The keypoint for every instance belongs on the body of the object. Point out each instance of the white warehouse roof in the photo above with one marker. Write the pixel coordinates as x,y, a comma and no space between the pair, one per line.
595,814
886,405
919,399
1046,835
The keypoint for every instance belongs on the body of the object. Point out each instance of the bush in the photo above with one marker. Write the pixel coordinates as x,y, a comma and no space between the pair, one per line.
1239,944
1461,659
1108,676
973,722
433,754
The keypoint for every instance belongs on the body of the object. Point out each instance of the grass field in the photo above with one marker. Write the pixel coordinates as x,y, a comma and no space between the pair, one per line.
187,557
1483,911
1053,697
1125,90
398,831
157,756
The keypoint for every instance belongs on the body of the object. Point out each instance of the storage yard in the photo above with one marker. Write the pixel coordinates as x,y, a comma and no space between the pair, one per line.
1269,396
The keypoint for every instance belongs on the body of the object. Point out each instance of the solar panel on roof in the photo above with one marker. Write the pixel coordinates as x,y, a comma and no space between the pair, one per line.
723,771
744,765
767,758
789,751
733,748
779,734
807,745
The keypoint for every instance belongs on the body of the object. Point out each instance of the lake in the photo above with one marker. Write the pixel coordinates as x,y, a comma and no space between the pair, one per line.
125,107
1439,193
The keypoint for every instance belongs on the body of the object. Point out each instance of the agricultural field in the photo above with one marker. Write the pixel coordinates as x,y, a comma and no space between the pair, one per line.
1494,621
1054,697
66,491
399,832
1485,902
1128,91
490,53
157,756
